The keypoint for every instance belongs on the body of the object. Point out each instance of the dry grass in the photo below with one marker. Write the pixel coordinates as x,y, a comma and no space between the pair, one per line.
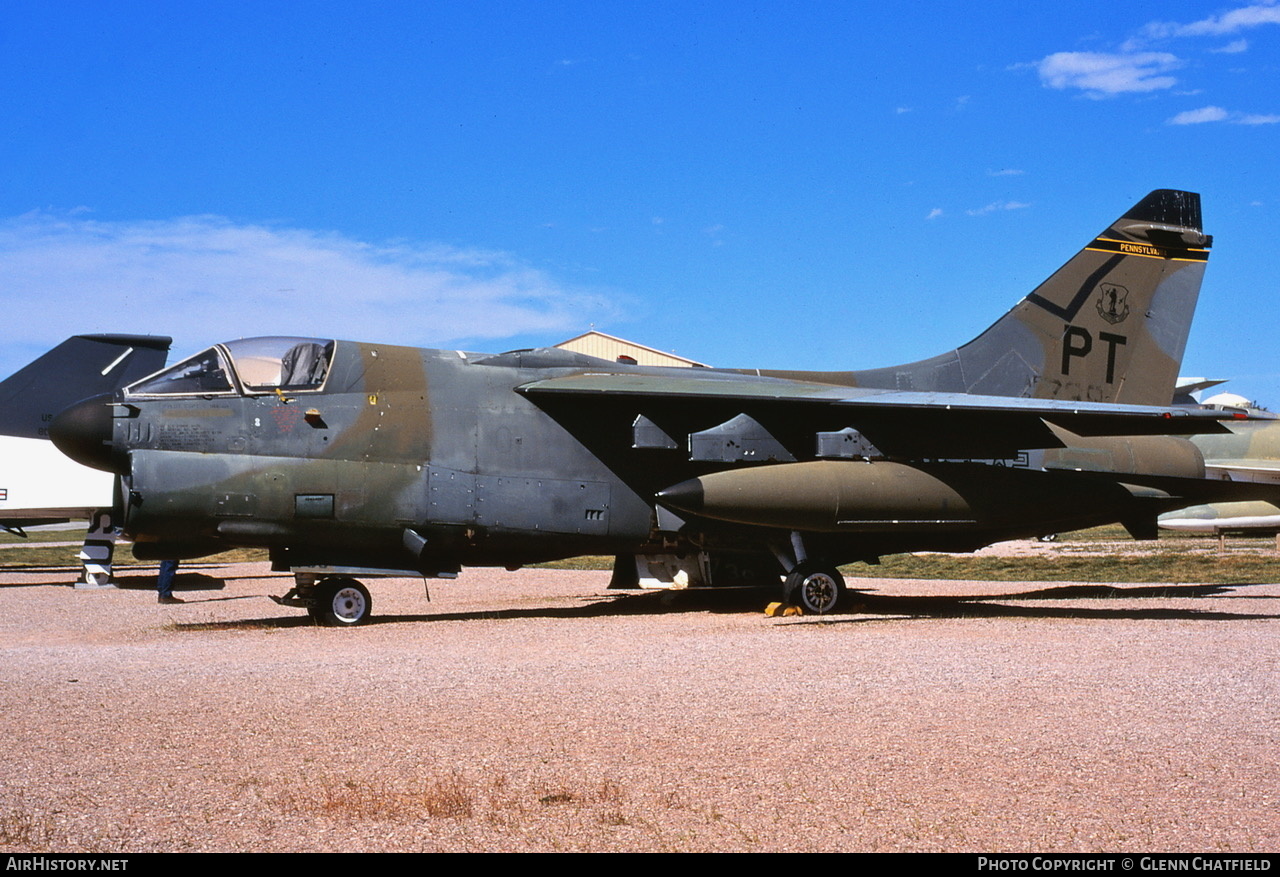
23,829
33,537
585,562
448,797
488,801
1167,565
1100,554
33,554
37,557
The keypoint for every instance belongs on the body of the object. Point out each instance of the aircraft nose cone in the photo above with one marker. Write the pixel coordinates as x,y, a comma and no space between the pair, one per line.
83,433
687,496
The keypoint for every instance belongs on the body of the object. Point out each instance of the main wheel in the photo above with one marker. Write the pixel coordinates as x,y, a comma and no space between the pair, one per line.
815,588
341,602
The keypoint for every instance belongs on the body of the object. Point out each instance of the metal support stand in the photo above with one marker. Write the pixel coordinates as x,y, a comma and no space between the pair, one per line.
98,551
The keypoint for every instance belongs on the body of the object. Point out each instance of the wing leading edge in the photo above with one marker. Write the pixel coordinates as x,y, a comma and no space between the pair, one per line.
897,422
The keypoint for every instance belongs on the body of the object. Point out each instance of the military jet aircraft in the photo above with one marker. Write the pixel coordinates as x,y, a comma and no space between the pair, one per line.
1248,453
346,458
38,484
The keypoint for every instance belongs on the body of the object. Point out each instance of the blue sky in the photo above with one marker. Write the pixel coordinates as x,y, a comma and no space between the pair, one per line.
786,185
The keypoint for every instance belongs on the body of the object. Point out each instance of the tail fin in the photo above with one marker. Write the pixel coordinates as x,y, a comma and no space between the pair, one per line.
1108,326
80,367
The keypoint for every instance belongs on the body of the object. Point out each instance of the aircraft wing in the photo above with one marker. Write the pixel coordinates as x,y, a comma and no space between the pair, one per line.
1257,471
926,424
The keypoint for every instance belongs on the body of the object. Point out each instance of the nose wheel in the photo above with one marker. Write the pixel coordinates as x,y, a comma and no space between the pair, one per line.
815,587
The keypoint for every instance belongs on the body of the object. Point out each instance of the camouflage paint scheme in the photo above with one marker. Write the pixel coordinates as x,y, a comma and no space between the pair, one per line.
397,459
1249,453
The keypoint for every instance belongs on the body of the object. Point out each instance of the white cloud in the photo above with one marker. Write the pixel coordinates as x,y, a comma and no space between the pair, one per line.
1234,47
1218,114
1216,25
1196,117
996,206
1006,172
1132,69
204,278
934,213
1102,74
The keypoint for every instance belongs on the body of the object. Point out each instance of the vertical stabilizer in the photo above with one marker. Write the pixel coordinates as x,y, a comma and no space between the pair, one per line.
80,367
1109,326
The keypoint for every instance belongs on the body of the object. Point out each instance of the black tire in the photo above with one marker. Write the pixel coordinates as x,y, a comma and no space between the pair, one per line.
816,588
341,602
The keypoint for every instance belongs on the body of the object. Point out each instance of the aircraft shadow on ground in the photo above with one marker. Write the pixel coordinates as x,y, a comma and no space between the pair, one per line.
185,581
868,606
67,573
649,603
998,605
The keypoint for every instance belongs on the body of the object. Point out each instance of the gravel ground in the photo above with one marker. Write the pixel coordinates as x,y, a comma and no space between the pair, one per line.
535,710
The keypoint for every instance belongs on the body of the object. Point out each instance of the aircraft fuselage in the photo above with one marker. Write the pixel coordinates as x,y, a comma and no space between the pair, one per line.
395,440
429,460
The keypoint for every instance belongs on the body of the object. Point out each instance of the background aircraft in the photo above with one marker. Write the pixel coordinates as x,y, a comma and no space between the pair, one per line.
340,456
1252,518
1248,453
37,483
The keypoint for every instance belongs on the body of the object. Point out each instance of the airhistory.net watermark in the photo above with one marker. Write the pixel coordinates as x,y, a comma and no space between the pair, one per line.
64,863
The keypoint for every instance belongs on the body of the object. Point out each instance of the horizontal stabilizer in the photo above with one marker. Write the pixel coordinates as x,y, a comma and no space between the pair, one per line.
1258,471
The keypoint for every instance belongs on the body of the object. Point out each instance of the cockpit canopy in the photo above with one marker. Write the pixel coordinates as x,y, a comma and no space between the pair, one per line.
250,365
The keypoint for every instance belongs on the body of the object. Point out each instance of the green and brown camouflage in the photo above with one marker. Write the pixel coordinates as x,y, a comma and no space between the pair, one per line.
1249,447
1249,453
341,456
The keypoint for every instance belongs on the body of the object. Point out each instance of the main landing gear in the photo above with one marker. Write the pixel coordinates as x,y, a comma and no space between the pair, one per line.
815,587
334,601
